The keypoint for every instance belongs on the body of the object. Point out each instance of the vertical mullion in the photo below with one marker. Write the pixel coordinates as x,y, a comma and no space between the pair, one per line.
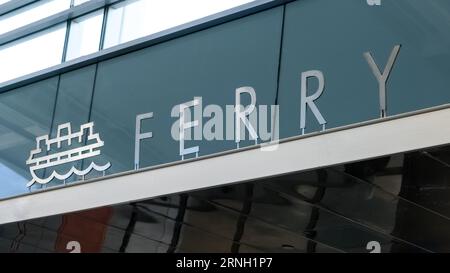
66,39
102,34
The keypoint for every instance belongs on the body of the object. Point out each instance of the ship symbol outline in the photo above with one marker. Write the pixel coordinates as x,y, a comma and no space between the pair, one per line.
71,155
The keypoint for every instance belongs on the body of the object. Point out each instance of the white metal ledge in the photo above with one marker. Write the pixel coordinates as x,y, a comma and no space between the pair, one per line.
341,145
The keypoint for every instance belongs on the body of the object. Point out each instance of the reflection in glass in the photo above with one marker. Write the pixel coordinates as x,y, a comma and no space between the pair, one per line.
31,13
137,18
84,37
32,53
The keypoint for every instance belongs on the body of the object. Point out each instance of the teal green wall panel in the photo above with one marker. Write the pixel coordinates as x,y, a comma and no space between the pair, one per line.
211,64
73,105
24,114
332,36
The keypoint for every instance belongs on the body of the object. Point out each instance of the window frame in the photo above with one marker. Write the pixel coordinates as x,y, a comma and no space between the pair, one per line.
120,49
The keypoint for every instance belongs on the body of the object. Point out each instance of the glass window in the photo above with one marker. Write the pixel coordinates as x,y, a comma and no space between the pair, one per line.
137,18
32,53
31,13
84,37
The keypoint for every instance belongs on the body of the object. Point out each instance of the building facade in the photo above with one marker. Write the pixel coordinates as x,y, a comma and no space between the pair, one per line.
239,126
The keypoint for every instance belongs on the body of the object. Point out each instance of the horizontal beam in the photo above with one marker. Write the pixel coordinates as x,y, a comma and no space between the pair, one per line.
14,5
337,146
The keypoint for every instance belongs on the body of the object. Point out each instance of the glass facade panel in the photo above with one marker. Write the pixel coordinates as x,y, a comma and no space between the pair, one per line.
127,20
137,18
73,103
32,110
335,44
182,69
84,37
31,13
32,53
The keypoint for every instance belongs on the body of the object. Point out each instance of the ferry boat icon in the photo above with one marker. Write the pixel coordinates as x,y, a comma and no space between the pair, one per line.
92,149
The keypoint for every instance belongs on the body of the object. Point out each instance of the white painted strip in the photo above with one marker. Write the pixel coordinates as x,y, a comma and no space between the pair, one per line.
336,147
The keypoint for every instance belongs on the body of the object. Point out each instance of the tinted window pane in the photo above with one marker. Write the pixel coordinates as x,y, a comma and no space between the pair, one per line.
133,19
335,43
24,114
84,35
72,105
31,13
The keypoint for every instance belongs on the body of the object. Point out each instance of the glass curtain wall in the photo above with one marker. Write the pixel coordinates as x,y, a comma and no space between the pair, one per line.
31,13
108,26
32,53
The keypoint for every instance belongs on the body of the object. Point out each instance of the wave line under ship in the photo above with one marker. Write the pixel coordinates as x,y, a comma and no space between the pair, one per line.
72,155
